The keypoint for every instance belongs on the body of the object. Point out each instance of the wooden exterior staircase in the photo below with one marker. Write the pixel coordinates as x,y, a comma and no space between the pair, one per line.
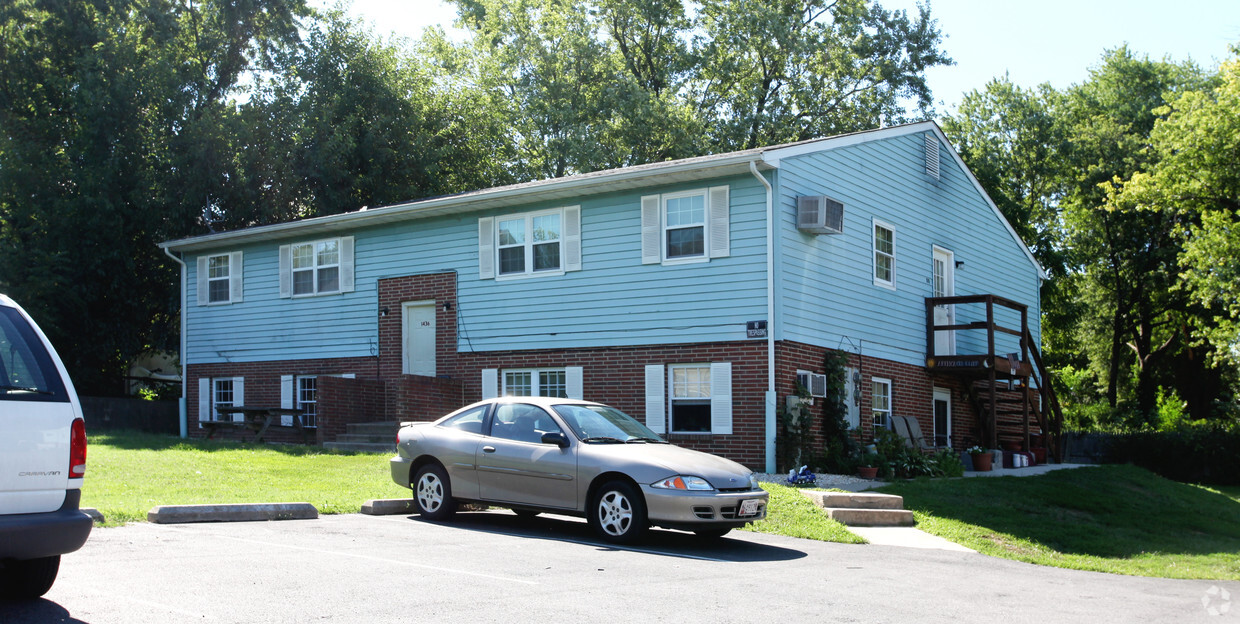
1011,390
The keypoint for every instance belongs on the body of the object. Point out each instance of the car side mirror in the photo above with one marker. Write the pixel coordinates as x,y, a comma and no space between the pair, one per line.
555,437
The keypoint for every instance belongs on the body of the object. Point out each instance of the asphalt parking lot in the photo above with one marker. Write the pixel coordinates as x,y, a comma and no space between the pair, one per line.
494,567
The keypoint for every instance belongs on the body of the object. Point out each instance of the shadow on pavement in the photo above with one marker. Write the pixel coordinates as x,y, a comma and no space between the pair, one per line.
34,612
732,547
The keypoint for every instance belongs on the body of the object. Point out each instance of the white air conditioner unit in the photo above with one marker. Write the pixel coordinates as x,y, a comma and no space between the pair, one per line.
819,214
815,383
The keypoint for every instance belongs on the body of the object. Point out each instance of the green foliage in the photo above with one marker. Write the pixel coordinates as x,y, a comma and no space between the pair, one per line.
794,438
1115,519
840,450
1201,453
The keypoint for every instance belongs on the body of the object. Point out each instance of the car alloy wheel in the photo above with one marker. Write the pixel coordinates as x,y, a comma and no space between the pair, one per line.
433,494
619,513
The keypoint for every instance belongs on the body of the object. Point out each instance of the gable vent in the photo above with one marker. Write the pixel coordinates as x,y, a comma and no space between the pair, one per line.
819,214
932,155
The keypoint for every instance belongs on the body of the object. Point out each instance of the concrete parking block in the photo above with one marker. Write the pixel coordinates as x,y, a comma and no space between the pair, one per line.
388,507
251,512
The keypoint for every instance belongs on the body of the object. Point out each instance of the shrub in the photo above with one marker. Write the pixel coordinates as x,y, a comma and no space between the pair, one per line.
1190,453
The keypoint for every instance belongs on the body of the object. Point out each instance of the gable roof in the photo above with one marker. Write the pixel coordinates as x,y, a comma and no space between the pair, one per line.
568,187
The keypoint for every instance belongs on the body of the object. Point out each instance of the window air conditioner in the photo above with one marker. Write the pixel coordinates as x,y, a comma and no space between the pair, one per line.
819,214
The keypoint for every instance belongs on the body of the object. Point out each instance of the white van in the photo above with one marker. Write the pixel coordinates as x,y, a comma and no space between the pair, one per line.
42,459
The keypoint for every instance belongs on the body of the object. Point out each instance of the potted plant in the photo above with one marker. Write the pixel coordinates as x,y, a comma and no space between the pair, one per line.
869,466
982,459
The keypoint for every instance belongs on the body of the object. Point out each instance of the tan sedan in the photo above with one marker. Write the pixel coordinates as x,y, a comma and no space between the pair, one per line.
534,454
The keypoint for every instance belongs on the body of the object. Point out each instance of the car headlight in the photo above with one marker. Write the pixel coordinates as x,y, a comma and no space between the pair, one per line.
681,482
753,481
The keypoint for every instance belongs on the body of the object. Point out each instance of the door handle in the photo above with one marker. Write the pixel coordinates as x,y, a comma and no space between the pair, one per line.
488,449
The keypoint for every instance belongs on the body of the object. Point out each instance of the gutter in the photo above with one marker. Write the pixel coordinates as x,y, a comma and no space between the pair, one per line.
182,408
769,401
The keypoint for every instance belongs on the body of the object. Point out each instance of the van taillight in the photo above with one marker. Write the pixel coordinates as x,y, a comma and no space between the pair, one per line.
77,450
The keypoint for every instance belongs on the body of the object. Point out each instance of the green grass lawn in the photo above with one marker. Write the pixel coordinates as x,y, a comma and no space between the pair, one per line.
1117,519
791,513
127,474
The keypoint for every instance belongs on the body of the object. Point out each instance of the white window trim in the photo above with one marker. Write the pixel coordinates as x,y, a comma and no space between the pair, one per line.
705,225
570,244
720,375
716,233
890,400
494,380
206,397
345,283
874,254
235,283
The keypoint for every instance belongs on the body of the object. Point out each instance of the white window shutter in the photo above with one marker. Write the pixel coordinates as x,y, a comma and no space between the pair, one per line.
346,264
718,220
286,271
851,408
656,401
652,230
572,238
490,383
203,294
204,399
235,286
286,392
486,248
574,382
721,398
238,397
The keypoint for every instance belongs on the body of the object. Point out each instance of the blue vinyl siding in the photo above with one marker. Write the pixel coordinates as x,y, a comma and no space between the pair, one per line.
614,300
827,292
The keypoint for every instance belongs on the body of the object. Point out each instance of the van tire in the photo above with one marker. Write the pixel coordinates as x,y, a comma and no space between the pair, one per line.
28,579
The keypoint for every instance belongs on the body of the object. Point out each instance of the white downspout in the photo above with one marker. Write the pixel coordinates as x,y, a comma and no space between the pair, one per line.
182,408
771,427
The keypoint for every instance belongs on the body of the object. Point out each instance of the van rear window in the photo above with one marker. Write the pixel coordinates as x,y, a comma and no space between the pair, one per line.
27,372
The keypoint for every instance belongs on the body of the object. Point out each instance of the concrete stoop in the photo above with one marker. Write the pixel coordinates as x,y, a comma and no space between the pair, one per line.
373,437
863,509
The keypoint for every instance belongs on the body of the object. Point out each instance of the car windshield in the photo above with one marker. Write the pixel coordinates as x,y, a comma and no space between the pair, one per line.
605,424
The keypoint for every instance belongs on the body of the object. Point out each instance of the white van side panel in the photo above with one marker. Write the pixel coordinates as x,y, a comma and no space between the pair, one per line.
34,455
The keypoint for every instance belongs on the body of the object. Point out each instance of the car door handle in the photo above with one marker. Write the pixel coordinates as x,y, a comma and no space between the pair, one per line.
488,449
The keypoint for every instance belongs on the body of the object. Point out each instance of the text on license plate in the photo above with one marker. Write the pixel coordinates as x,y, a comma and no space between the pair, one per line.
749,507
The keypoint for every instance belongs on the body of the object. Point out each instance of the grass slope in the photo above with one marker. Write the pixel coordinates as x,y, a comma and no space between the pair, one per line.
1117,519
791,513
127,474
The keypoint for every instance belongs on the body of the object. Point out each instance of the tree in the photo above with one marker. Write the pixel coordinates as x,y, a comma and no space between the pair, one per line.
1195,183
771,72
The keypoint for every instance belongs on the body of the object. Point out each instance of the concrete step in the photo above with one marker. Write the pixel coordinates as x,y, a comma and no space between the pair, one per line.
871,517
855,500
364,447
384,438
388,428
863,508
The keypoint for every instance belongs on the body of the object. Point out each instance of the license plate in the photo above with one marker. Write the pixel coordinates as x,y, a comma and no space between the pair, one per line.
749,508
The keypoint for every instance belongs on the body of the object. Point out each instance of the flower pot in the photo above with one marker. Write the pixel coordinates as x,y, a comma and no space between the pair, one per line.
867,472
983,462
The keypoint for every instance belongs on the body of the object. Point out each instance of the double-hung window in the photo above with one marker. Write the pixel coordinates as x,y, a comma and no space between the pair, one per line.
312,268
884,254
218,392
685,226
542,382
529,243
219,278
690,400
880,403
308,399
546,242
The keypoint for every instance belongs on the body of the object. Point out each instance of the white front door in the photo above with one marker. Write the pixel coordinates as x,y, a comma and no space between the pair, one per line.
942,417
418,342
944,280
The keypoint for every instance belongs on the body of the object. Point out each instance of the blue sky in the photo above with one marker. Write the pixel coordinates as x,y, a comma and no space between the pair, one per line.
1054,41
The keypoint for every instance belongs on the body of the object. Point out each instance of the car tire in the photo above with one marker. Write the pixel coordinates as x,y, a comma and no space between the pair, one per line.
711,533
28,579
432,493
618,513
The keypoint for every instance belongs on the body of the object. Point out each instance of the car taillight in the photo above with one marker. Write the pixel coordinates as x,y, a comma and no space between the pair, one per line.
77,450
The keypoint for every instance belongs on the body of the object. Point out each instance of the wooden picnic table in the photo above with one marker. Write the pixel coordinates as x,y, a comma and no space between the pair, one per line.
256,419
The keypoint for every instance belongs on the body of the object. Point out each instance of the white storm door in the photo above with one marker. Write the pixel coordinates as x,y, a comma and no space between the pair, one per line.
944,280
418,341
